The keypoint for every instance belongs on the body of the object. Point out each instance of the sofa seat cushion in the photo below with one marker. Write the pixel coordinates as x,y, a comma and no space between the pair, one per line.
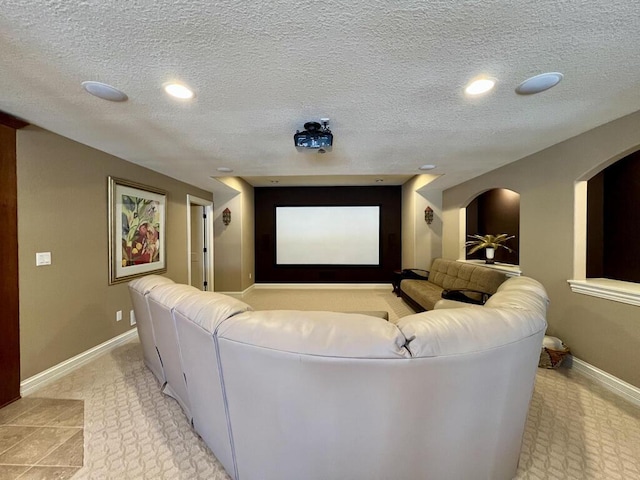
330,334
424,293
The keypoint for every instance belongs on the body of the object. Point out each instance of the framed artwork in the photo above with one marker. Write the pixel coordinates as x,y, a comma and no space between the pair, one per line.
137,227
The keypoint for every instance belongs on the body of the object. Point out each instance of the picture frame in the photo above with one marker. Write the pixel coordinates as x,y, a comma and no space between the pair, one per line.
137,230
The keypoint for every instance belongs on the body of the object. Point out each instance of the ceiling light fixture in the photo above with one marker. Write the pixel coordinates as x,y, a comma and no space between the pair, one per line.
480,86
104,91
539,83
225,169
178,90
427,167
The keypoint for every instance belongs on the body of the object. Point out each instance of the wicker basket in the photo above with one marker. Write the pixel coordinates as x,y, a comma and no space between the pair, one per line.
553,352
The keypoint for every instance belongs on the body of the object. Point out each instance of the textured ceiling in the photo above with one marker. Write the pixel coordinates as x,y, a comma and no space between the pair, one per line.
389,75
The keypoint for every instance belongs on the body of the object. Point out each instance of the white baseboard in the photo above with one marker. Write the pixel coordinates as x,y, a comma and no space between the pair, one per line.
31,384
621,388
238,294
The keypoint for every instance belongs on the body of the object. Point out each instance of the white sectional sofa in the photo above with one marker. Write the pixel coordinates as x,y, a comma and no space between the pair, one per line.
281,394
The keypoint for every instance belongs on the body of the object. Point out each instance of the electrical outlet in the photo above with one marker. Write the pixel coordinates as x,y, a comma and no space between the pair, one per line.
118,315
132,317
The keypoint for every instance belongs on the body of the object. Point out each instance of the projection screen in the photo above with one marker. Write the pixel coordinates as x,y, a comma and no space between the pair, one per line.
328,235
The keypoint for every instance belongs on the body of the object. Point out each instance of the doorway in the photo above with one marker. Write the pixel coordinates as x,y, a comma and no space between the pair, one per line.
200,243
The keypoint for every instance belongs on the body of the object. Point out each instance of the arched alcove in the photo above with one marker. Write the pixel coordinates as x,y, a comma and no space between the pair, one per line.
493,212
613,221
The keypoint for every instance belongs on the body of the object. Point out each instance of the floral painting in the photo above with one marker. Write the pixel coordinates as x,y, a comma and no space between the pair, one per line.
140,231
137,227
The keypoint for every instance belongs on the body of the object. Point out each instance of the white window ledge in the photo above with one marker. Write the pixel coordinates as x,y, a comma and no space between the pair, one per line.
509,269
616,290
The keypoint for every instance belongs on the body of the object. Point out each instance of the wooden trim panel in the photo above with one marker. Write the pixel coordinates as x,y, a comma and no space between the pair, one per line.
9,320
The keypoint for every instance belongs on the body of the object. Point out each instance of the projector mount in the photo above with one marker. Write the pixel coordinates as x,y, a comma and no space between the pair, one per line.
315,127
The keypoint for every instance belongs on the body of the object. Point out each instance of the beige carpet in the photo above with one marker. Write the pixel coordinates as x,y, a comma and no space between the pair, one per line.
575,430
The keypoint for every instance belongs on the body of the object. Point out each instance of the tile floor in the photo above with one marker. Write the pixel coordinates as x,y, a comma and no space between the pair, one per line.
41,438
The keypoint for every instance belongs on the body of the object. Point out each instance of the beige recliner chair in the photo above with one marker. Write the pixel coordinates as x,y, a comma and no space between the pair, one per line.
138,290
162,300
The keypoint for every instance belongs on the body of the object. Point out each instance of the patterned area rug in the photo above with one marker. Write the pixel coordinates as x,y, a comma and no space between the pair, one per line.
132,431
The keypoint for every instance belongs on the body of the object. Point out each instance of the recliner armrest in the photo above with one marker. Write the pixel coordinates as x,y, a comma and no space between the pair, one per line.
415,274
466,295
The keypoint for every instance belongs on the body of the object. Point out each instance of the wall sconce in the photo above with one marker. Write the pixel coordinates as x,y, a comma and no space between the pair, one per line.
428,215
226,216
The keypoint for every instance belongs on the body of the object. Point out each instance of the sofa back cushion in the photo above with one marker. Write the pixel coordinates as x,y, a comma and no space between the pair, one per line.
520,293
516,311
138,290
450,274
329,334
209,309
467,330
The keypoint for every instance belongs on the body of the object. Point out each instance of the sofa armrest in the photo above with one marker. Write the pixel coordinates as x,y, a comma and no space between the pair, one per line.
415,274
466,295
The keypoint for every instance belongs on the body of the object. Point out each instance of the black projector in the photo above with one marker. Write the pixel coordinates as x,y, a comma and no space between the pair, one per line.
314,137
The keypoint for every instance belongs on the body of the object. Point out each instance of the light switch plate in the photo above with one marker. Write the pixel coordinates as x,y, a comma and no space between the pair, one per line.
43,258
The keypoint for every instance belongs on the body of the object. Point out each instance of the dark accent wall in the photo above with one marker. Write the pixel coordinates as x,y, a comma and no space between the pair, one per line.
267,199
595,230
613,221
493,212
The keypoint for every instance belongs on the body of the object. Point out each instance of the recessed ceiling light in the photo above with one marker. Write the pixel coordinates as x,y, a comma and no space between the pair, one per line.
480,86
427,167
224,169
104,91
178,90
539,83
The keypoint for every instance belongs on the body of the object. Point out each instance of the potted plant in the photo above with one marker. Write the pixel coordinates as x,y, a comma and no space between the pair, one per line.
490,243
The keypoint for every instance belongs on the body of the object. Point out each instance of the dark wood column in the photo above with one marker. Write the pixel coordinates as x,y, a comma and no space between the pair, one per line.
9,320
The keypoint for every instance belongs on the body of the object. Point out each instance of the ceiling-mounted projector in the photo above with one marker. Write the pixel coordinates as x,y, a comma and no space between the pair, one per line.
315,136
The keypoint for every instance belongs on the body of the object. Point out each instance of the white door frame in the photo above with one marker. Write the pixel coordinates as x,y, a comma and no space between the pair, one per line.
208,232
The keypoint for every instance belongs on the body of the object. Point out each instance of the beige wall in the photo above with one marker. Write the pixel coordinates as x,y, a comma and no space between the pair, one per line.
234,264
601,332
421,243
68,307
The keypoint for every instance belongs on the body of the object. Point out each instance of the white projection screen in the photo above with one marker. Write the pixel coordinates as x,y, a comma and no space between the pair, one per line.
328,235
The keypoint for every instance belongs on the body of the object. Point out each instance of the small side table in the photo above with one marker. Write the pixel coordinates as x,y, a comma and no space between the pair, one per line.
395,281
